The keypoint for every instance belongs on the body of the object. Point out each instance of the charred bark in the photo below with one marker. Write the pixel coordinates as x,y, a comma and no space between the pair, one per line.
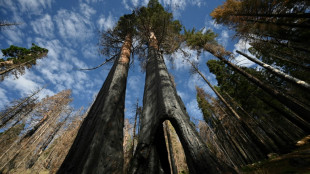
98,147
160,103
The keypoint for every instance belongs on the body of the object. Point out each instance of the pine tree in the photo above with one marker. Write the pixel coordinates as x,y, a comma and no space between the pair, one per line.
219,52
18,59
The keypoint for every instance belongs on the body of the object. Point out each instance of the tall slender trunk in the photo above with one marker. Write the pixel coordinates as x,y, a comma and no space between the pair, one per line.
160,103
4,120
289,61
98,147
297,107
277,72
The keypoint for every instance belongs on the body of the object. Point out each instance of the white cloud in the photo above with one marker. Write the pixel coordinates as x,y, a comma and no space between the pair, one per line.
183,95
86,10
175,6
44,26
193,109
223,39
135,2
73,26
211,24
90,51
11,6
92,1
34,6
196,80
3,98
14,36
23,84
178,61
240,60
106,23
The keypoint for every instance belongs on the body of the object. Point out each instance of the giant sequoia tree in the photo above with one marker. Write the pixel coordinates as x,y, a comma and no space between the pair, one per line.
98,147
161,103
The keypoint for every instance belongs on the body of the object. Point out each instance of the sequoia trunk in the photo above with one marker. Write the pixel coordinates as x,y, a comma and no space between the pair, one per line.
160,103
98,147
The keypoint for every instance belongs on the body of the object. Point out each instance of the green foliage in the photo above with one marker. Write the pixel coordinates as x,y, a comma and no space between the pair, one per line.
20,54
18,58
154,18
204,104
245,93
126,25
197,39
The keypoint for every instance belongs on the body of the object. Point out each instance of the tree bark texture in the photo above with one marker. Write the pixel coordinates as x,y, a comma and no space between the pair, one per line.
160,103
98,147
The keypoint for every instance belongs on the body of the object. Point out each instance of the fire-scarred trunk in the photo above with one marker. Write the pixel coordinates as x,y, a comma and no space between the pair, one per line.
161,102
98,147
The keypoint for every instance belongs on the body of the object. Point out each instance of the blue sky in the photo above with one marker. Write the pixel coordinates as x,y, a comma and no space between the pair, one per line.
70,31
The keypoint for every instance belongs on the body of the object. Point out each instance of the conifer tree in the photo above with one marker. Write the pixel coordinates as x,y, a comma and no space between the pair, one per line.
98,146
18,59
161,102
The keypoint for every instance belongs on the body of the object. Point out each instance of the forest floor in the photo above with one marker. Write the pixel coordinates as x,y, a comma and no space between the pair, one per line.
295,162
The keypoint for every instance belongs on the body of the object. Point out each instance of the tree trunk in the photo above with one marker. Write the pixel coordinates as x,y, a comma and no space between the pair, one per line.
291,62
4,120
98,147
160,103
297,107
277,72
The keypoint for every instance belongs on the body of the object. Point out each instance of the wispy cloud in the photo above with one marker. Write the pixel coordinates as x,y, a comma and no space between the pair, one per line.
91,1
34,6
3,97
223,39
193,110
243,46
44,26
14,35
86,10
73,26
175,6
106,23
178,61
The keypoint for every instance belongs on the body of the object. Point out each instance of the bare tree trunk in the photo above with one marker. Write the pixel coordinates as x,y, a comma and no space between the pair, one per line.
3,118
98,147
291,62
160,103
277,72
